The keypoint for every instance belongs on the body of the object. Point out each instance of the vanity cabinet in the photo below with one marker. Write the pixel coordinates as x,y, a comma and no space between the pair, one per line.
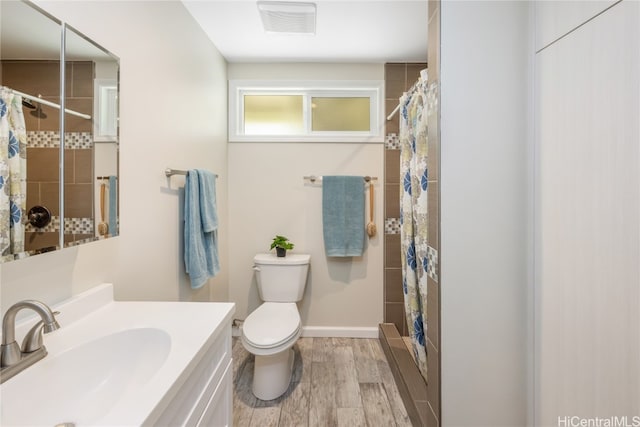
219,408
122,363
203,395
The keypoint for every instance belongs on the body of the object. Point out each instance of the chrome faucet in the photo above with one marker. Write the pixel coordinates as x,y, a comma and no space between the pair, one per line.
14,359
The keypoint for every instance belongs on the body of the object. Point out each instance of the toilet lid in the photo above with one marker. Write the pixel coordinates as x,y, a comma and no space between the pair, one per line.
271,324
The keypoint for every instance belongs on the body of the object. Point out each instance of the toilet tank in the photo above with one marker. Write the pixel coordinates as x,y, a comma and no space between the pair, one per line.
281,279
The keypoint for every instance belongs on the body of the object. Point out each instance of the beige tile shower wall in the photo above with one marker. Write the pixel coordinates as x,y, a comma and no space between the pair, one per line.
399,77
38,78
41,78
78,179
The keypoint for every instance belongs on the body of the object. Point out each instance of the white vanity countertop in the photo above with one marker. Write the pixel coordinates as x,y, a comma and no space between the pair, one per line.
174,335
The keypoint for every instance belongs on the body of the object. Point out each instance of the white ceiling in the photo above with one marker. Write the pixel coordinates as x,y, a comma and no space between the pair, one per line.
346,31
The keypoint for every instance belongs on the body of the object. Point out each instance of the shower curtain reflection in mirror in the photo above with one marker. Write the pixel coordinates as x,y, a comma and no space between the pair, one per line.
13,174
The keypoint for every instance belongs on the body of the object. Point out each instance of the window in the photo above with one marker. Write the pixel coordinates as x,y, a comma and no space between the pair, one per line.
273,115
105,122
320,111
347,114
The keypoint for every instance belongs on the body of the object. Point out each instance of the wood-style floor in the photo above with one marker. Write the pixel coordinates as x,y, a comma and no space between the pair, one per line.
336,382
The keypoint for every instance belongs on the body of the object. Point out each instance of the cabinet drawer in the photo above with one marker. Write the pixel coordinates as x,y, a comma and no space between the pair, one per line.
220,407
192,396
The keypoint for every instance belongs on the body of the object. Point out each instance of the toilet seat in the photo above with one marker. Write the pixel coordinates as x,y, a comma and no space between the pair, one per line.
271,324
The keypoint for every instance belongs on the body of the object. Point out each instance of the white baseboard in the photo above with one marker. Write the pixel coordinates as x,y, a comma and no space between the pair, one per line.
330,332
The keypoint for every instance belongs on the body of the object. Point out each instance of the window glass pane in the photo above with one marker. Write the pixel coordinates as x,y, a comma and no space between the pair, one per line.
273,115
340,114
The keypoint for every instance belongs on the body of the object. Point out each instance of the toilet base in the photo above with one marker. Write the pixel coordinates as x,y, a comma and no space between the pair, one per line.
272,375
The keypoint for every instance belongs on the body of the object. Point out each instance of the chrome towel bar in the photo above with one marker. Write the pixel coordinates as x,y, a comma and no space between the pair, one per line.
170,172
313,178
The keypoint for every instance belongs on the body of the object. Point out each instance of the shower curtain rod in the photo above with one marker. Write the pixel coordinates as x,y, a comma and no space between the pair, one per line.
423,76
48,103
394,112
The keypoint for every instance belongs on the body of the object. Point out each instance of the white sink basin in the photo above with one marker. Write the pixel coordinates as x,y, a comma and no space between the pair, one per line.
79,387
111,363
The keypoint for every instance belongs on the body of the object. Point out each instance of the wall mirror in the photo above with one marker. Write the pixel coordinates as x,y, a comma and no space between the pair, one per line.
59,153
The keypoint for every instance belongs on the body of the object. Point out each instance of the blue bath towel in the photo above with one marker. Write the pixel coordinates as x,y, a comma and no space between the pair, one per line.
343,215
113,205
200,227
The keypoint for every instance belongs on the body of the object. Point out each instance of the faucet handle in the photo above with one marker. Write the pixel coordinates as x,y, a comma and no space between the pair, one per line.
33,340
53,325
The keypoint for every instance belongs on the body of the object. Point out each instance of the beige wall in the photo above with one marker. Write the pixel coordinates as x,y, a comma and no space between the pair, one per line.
305,71
268,196
173,114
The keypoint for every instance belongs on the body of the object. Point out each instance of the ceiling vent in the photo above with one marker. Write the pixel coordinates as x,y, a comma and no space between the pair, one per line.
288,17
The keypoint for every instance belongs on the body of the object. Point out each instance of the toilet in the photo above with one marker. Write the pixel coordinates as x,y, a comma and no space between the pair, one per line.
272,329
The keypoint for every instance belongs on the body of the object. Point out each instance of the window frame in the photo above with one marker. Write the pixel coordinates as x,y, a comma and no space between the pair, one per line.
105,107
308,89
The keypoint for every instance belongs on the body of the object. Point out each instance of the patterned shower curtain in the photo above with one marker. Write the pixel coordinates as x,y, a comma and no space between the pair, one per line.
13,174
413,216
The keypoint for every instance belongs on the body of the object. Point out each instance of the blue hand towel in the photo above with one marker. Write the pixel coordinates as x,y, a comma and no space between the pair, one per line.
343,215
113,205
200,227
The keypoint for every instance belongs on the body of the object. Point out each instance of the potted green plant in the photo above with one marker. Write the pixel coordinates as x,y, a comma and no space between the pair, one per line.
282,244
